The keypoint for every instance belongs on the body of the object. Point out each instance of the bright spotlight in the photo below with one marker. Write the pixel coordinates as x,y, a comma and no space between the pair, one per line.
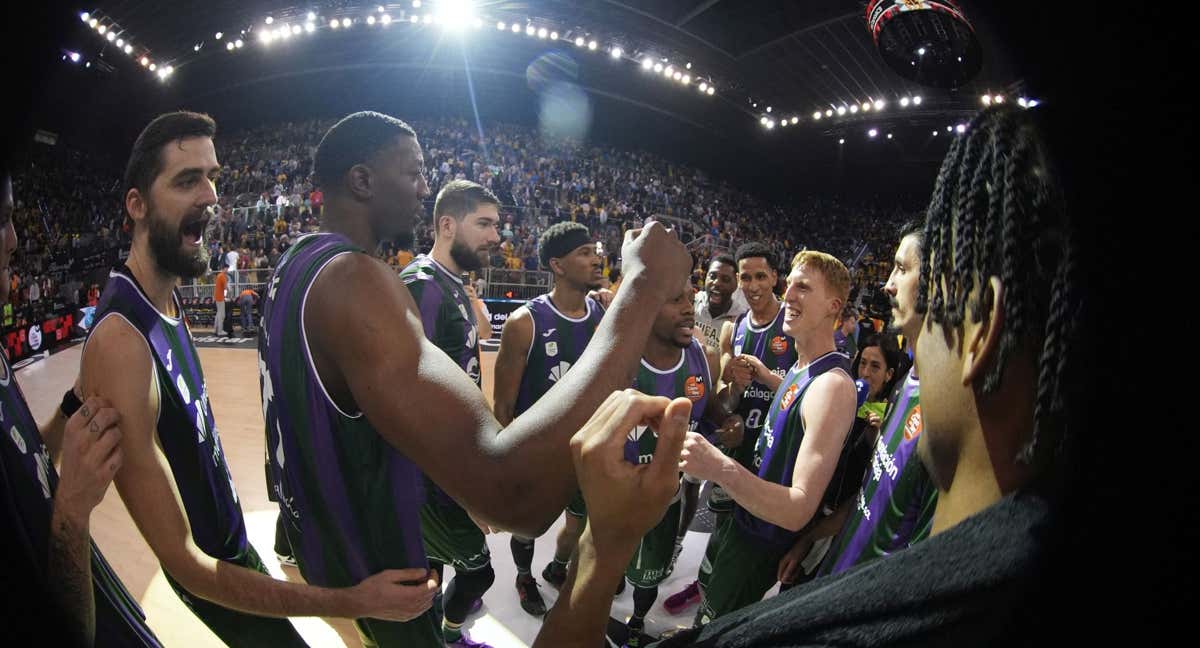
949,128
112,36
229,46
269,20
921,52
238,43
961,128
120,42
312,15
841,110
296,29
553,35
917,100
346,22
768,109
689,65
677,76
74,56
380,9
763,120
153,67
986,99
386,20
879,104
889,136
703,86
853,109
770,124
85,16
904,102
711,90
668,71
543,33
935,133
1021,101
285,33
817,115
145,61
998,99
196,47
530,30
102,29
218,35
93,23
592,45
501,26
310,27
658,67
866,106
784,123
829,113
795,120
841,140
687,78
872,133
615,52
647,64
370,20
128,48
1032,103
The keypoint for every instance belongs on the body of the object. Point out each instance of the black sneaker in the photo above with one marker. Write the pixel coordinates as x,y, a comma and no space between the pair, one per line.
555,574
637,633
531,598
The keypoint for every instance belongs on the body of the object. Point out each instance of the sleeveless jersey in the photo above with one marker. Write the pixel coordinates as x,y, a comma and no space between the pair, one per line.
558,341
185,429
777,351
779,442
690,378
711,326
350,500
894,508
29,477
445,312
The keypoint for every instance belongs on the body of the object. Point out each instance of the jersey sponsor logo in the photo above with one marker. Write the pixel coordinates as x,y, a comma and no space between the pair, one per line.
789,396
552,348
636,433
779,345
759,393
693,388
914,425
17,439
558,371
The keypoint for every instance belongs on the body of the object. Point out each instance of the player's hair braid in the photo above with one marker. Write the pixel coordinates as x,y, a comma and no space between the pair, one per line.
937,242
974,162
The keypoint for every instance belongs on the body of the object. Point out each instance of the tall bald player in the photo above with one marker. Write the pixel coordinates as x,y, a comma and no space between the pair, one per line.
174,479
357,418
540,343
466,220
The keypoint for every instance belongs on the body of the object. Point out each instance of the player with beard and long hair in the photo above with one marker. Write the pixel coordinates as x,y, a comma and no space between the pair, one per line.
174,479
466,221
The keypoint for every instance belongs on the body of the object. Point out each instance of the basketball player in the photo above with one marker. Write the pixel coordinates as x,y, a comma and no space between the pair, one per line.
174,479
797,452
721,300
999,355
360,405
894,508
466,222
755,354
674,365
846,337
540,342
47,514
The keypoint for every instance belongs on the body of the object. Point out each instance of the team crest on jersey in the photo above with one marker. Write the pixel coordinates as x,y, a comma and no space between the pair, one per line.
914,425
559,371
693,388
789,396
552,349
779,345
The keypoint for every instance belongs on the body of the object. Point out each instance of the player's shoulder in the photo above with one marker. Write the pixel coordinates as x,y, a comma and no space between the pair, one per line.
419,269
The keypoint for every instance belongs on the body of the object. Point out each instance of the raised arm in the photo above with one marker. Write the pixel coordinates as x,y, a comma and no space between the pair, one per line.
519,480
515,340
148,488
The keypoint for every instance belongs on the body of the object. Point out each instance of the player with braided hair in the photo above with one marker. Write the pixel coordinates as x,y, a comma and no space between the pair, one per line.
1001,295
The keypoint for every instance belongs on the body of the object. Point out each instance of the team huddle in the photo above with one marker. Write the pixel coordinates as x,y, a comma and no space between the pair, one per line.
613,406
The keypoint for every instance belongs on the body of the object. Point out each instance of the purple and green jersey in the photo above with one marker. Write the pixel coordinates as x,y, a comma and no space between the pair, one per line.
28,480
779,442
558,342
777,351
894,508
186,430
349,499
446,313
688,378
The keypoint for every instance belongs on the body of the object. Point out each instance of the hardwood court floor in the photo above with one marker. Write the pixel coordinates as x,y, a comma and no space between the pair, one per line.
232,376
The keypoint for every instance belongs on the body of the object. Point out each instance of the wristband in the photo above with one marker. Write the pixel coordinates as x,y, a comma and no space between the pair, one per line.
70,403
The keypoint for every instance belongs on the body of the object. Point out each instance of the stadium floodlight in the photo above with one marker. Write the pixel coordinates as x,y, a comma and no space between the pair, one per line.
768,109
770,124
530,30
935,133
238,43
334,24
949,128
921,52
385,19
145,61
310,28
93,23
1021,101
841,140
647,63
817,115
689,65
784,123
592,45
763,120
370,20
229,46
543,33
128,48
829,113
269,20
615,52
169,70
879,104
917,100
74,56
711,90
998,99
500,26
1032,103
312,15
120,42
111,36
296,29
553,35
866,106
986,99
703,86
85,16
668,71
853,109
687,79
658,67
380,9
153,67
677,76
285,32
889,136
841,110
516,29
196,47
579,41
904,102
795,120
960,129
102,28
218,35
346,22
872,133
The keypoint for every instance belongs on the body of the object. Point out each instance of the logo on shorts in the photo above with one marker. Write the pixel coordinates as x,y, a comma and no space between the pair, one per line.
914,425
552,348
693,388
779,345
789,396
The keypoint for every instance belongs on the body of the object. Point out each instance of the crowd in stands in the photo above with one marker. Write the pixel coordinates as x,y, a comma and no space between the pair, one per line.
70,218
